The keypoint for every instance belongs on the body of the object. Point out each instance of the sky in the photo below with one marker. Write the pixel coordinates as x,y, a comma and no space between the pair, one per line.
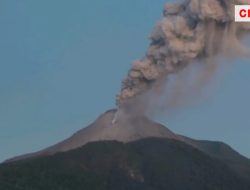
62,62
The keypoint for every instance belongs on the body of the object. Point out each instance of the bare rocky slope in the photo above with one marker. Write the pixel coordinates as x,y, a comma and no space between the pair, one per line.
103,129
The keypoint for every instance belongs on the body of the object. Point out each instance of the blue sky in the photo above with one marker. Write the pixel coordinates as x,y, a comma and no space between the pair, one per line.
62,62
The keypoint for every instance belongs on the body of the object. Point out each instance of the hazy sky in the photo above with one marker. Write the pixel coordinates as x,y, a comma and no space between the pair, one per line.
61,64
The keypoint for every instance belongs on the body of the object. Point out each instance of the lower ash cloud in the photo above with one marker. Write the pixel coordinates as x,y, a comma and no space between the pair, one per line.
195,31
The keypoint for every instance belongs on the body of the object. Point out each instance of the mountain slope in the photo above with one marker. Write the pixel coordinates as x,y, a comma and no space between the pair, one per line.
131,129
152,157
139,128
148,164
224,153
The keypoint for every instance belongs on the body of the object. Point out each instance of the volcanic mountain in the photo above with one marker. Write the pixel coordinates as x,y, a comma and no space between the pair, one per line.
135,153
126,130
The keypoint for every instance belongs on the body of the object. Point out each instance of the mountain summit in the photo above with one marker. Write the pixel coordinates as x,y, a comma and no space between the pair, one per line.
125,130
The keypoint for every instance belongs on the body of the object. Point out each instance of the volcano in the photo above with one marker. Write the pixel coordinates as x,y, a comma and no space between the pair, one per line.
136,153
131,129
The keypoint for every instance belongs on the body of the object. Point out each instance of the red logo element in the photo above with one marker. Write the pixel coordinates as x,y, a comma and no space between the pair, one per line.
244,13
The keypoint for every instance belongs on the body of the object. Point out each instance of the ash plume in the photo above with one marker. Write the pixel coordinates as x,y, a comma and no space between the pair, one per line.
189,32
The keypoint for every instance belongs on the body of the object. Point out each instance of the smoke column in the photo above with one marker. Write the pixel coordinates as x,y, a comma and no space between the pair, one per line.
192,31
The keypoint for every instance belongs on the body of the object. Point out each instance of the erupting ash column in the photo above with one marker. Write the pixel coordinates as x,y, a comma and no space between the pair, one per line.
190,31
